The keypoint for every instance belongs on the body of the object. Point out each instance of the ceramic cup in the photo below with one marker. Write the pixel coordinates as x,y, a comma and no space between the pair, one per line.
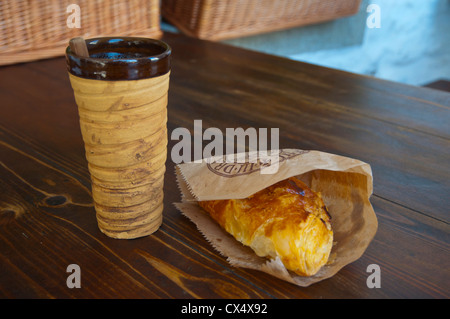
121,92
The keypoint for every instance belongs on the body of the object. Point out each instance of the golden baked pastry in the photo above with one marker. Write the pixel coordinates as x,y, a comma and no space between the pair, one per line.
286,220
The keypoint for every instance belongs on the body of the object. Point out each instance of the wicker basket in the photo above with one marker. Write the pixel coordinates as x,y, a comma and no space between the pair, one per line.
36,29
225,19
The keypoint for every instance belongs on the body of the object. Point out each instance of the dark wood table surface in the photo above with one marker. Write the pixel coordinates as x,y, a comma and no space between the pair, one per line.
47,219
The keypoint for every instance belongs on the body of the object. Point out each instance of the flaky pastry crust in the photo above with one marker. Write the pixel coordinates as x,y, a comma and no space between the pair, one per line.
286,220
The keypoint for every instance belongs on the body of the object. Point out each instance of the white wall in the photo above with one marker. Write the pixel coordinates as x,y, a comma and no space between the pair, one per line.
412,46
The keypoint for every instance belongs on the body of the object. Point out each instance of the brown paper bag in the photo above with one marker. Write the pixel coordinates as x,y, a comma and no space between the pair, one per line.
345,184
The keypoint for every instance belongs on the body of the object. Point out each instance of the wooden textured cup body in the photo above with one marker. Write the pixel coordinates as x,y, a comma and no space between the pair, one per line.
124,128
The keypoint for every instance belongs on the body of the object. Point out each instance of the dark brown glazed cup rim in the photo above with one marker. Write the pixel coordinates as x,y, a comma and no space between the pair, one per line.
155,62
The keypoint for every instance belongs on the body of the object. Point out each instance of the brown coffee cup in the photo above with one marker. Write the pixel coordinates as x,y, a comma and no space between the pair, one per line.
121,92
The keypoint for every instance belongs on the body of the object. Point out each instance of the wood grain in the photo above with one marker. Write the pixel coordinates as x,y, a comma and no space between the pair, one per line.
47,219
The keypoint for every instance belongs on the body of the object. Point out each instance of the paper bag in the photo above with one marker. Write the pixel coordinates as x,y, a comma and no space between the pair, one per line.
344,183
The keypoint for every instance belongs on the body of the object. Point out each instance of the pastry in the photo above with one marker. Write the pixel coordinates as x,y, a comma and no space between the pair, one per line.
286,220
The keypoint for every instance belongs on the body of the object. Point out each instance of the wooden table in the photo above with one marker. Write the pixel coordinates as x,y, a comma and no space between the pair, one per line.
47,219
